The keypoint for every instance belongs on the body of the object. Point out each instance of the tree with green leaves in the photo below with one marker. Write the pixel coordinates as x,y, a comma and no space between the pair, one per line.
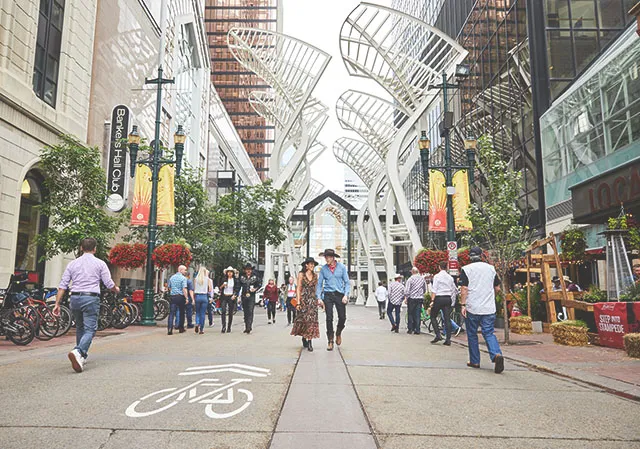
246,220
497,222
76,194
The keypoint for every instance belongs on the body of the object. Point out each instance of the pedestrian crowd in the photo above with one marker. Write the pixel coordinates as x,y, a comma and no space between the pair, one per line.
327,289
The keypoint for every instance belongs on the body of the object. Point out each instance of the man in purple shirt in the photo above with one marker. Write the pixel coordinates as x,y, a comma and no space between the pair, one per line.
84,274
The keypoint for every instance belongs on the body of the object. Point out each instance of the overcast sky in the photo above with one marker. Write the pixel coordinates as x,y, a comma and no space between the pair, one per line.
318,22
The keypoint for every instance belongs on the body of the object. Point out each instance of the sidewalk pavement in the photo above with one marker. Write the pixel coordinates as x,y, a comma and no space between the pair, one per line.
607,368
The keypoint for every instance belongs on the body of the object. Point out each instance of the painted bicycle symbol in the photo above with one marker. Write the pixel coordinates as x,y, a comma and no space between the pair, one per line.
218,397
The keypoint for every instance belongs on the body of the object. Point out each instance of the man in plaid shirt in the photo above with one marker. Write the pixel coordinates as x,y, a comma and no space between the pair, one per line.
414,291
396,297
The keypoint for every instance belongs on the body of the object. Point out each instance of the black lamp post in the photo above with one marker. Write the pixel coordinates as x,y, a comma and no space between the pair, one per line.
462,72
155,162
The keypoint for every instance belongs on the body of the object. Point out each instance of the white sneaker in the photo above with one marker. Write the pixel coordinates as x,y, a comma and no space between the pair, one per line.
269,322
77,361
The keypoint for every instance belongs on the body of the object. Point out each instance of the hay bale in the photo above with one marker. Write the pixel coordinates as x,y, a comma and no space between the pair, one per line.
521,325
632,345
570,333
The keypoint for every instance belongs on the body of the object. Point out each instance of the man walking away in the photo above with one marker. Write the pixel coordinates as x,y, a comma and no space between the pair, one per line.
291,293
333,290
443,294
414,291
381,297
249,285
480,283
396,297
84,274
179,296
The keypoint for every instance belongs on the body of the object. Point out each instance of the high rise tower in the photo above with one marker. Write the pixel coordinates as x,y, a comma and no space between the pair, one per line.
232,81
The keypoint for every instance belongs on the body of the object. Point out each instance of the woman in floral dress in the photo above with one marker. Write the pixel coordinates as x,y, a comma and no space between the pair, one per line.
306,322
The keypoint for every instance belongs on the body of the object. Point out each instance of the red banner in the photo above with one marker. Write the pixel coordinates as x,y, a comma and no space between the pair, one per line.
612,322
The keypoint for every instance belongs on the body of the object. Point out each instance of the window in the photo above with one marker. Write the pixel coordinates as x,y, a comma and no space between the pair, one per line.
47,63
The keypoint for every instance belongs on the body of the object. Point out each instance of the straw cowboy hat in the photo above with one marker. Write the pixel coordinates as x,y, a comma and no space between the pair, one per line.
229,268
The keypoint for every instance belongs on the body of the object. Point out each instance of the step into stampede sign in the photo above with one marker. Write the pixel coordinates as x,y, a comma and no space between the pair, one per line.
222,399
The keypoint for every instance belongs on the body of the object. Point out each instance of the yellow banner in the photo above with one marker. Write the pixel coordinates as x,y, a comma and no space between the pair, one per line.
141,196
461,201
166,209
140,209
437,202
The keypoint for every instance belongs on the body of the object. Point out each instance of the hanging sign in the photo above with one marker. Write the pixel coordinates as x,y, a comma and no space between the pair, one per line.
141,207
461,200
437,202
117,170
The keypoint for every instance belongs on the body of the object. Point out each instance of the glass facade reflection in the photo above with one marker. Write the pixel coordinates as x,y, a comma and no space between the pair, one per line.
232,81
595,125
498,97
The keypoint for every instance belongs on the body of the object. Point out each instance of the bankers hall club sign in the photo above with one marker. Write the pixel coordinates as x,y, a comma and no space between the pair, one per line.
598,198
116,175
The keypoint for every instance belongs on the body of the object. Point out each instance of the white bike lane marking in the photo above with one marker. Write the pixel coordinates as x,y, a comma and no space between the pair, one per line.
221,395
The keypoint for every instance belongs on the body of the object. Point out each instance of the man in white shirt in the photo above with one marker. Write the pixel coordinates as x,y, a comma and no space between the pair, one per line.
480,283
381,297
443,291
396,297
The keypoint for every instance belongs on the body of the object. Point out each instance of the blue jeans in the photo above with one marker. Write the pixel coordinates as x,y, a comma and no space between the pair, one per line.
486,323
176,312
413,314
202,300
85,311
391,309
454,326
189,312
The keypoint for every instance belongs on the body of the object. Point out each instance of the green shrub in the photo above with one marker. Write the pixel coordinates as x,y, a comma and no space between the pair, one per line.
594,294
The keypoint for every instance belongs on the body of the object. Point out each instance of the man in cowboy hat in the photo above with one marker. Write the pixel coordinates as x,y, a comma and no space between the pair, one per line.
249,285
333,289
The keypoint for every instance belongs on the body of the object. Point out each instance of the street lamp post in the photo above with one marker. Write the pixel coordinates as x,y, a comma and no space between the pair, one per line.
155,162
462,72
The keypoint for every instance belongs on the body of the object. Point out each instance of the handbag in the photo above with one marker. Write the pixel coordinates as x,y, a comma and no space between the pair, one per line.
294,302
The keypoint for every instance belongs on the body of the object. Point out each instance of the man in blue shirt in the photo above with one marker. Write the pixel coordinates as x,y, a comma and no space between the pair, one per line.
179,294
333,289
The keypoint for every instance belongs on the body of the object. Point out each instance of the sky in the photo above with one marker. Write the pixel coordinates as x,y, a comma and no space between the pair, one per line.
318,22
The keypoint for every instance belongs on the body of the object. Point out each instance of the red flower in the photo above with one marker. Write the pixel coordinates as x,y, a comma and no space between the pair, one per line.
171,254
127,256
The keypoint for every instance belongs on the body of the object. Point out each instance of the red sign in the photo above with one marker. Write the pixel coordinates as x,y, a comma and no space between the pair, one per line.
612,322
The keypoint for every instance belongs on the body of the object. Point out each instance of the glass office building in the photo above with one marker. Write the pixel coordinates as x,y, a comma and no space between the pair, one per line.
232,81
523,54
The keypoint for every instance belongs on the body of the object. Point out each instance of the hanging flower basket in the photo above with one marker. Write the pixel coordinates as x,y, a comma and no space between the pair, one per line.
128,256
428,260
171,254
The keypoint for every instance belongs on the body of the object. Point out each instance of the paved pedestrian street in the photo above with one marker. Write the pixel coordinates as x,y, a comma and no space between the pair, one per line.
144,389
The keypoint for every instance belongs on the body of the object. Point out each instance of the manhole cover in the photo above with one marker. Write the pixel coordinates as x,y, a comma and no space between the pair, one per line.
525,343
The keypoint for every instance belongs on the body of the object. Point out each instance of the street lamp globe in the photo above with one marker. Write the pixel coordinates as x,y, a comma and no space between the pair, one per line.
179,138
134,143
463,71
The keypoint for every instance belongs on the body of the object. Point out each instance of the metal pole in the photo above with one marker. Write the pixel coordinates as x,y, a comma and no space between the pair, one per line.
148,316
451,230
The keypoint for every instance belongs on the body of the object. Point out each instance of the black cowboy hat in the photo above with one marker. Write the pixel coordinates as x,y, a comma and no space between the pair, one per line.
309,260
329,252
248,266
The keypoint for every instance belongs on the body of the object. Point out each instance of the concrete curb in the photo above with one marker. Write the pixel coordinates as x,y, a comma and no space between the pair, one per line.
612,386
